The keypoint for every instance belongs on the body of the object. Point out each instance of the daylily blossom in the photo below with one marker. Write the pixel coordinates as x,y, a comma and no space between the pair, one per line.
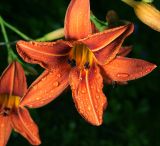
12,114
79,61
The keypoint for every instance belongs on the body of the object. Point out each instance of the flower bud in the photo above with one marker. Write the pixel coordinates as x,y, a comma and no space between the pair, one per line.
147,13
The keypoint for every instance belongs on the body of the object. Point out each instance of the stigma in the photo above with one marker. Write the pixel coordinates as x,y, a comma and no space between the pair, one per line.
8,104
80,56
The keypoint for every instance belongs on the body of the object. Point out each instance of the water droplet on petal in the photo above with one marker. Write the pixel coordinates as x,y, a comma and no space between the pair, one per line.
89,108
51,72
122,75
97,96
43,79
41,102
35,87
59,75
83,91
56,84
92,87
98,90
37,98
30,105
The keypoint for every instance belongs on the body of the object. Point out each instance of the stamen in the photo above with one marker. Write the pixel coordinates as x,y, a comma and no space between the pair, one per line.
71,62
86,65
6,111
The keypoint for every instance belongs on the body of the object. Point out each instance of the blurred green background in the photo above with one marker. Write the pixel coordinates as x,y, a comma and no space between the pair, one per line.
133,114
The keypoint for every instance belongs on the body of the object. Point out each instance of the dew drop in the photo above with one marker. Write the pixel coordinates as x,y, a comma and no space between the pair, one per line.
51,72
148,70
33,43
35,87
80,108
97,96
59,75
37,98
30,105
89,108
123,75
83,91
92,87
43,79
56,84
98,90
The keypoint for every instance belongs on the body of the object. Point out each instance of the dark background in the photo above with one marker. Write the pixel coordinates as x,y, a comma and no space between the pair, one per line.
132,117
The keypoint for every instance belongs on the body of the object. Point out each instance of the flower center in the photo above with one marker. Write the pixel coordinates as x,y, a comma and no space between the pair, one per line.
8,104
80,56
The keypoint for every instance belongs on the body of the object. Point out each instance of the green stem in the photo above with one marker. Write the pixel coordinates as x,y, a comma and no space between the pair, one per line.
11,55
4,34
25,37
56,34
100,25
53,35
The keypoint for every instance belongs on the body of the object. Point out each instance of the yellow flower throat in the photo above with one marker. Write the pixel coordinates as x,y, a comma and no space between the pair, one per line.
8,104
81,56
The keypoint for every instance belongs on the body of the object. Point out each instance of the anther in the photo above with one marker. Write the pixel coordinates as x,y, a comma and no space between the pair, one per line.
71,62
86,65
6,111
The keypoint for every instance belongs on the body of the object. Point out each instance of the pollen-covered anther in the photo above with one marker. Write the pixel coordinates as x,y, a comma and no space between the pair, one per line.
87,65
71,62
6,111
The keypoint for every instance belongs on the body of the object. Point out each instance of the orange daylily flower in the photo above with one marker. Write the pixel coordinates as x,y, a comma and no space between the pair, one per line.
12,114
78,61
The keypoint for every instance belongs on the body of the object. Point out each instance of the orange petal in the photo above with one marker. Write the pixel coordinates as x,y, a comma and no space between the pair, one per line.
124,51
5,130
13,80
88,95
125,69
77,20
47,87
44,53
23,124
105,45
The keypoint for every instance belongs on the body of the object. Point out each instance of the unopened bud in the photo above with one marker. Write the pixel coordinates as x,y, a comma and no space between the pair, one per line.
56,34
147,13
